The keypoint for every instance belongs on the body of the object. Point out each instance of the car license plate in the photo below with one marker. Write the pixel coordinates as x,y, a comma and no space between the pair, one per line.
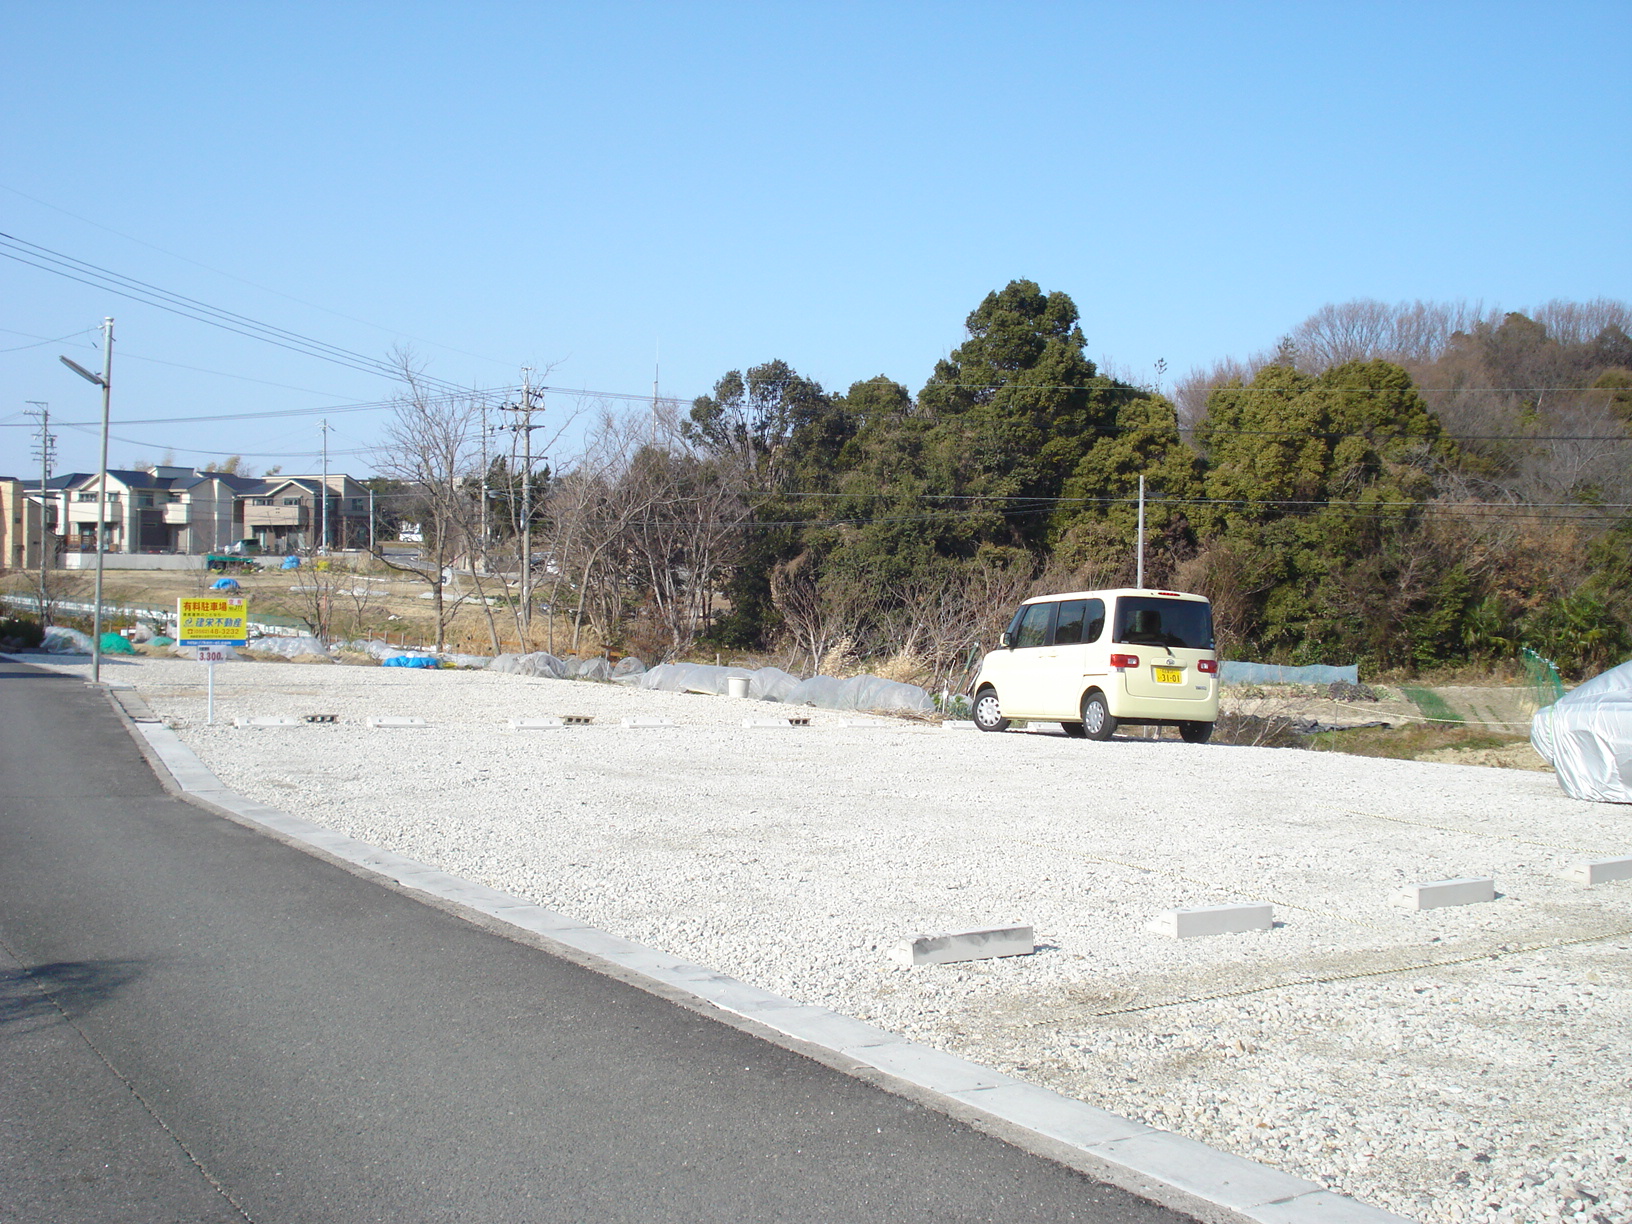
1169,675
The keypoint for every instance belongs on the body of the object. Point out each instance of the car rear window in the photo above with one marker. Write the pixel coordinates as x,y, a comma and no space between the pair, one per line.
1176,624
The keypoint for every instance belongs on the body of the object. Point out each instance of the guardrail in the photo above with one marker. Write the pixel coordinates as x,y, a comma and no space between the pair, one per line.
31,603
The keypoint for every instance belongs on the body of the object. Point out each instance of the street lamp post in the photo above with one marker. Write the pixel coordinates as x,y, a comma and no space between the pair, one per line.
105,381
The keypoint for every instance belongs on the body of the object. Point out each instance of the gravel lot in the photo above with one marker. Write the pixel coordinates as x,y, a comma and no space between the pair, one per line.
1459,1064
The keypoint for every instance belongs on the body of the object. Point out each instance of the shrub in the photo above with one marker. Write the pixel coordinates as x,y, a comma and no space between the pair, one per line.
26,633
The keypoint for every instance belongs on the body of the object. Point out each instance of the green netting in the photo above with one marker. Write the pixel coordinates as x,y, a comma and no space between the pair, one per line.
1543,678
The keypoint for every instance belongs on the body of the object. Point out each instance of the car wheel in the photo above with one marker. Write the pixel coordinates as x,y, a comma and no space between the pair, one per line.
1097,722
988,714
1074,729
1196,732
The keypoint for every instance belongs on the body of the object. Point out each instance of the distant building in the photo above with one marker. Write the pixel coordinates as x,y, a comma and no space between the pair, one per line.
181,510
287,513
20,523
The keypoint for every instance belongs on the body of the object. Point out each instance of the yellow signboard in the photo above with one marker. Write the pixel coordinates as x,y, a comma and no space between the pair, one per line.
212,619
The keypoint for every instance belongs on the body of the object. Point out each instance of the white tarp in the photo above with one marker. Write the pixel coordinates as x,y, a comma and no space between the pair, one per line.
1587,737
288,647
59,639
629,670
539,663
859,693
764,684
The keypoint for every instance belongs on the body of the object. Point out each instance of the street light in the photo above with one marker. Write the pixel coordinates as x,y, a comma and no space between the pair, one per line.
105,381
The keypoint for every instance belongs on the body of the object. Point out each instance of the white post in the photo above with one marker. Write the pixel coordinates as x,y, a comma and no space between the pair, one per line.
1140,580
209,669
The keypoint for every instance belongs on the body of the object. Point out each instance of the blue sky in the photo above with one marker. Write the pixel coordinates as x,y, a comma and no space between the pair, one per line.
834,184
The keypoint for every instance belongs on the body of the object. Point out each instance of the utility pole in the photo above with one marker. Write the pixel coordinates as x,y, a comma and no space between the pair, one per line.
485,464
45,448
323,542
371,519
1140,580
526,426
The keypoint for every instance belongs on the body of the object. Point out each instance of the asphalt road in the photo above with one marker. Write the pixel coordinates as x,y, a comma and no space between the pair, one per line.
201,1024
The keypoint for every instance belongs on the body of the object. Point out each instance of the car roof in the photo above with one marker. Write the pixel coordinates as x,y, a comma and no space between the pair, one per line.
1115,591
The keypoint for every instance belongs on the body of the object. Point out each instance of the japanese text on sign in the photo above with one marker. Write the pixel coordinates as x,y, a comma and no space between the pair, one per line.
204,620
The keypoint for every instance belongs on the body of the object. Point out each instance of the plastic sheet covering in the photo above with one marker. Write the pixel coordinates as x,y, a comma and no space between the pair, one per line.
468,660
628,671
59,639
1587,737
859,693
411,661
593,669
772,684
765,684
116,643
1273,673
537,664
288,647
383,651
690,678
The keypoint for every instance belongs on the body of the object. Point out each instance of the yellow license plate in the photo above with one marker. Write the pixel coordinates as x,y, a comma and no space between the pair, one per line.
1169,675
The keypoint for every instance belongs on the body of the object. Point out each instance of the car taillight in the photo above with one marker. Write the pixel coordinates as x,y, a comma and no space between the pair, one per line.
1124,660
1210,666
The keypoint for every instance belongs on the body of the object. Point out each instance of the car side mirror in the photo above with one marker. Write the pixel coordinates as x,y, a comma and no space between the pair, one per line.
1004,641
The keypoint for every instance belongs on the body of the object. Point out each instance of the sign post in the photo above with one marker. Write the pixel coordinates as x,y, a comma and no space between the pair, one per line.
210,624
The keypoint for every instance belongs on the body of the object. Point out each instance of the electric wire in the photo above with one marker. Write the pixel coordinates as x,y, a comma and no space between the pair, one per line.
241,280
32,254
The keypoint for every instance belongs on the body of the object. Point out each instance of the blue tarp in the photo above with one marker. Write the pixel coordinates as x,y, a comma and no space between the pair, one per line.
409,661
1274,673
290,562
224,584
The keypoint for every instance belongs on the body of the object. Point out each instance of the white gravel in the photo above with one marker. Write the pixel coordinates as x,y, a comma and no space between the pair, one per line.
1490,1080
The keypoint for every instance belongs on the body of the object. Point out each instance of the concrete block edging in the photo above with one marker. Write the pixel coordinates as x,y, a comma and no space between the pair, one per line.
1166,1167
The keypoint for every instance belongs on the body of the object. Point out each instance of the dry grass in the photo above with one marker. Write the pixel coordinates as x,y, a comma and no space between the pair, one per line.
1408,743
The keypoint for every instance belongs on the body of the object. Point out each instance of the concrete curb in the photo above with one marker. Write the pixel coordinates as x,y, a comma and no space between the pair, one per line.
1177,1172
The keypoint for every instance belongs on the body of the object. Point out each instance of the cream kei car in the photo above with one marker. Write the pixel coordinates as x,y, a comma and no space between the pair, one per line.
1094,661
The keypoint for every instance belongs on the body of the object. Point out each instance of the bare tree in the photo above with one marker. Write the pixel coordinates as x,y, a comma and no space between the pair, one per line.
431,445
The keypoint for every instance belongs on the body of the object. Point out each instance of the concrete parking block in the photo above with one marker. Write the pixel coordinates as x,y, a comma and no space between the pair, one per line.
965,946
957,724
1213,920
535,724
648,722
1437,894
766,722
393,721
266,721
1600,871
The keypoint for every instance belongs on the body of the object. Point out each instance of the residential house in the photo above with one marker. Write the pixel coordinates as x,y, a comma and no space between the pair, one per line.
20,523
168,509
288,513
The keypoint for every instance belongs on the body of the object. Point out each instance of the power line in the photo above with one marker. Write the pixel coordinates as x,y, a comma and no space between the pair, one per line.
43,340
265,289
35,256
